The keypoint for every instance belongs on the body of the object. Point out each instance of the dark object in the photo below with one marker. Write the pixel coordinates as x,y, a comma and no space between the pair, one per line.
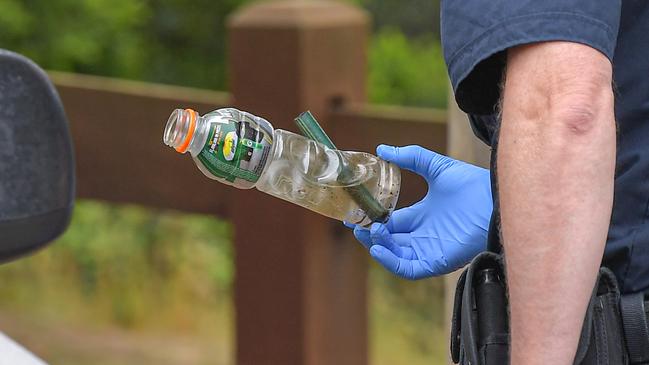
491,309
479,331
614,330
36,159
310,128
635,321
602,340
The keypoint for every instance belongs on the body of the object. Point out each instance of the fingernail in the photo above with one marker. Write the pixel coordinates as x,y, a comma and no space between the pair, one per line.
375,228
376,250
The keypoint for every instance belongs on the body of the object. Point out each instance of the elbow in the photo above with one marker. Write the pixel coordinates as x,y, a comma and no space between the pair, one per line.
577,119
583,105
580,113
559,95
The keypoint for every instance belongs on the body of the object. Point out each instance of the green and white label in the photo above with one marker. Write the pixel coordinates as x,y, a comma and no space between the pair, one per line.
235,150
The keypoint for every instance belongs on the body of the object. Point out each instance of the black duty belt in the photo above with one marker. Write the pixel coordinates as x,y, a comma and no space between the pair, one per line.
615,332
635,320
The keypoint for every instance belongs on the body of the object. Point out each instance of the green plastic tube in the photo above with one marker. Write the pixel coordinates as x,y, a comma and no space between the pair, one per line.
310,128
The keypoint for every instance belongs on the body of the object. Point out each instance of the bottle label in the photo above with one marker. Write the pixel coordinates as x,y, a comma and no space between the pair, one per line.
235,150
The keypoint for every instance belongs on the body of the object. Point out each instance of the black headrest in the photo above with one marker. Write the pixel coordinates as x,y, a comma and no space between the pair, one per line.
36,159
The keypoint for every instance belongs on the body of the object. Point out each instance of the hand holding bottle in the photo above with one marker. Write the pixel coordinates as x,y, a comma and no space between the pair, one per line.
443,231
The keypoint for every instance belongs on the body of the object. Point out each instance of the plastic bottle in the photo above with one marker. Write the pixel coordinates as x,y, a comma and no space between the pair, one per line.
243,150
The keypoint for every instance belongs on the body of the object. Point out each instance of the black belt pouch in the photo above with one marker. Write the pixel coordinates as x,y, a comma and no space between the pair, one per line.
480,324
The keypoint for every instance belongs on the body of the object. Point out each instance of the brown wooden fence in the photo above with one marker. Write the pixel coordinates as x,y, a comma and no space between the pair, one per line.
300,280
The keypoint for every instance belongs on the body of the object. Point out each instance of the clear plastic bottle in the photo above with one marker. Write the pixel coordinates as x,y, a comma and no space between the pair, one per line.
243,150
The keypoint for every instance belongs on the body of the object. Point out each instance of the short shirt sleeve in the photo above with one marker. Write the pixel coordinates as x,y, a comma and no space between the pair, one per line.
476,34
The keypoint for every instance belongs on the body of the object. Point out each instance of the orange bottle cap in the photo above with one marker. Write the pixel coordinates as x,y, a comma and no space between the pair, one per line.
190,132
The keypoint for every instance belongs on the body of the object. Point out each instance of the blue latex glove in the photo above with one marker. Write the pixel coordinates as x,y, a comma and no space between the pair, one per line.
443,231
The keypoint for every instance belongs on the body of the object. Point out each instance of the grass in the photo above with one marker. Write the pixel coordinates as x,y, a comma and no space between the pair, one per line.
128,285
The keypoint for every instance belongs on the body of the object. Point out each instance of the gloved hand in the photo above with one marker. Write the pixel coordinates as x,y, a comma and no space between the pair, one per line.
443,231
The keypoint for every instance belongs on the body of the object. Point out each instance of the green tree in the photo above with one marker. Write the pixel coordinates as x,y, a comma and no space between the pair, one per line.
413,17
406,72
183,42
169,41
88,36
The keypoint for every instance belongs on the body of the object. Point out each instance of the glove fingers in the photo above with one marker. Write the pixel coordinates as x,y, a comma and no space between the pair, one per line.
407,269
389,260
405,242
400,239
380,235
363,236
408,253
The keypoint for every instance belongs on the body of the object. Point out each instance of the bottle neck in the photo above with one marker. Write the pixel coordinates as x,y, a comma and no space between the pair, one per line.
183,130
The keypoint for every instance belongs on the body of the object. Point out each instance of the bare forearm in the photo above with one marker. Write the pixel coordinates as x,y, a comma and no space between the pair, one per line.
555,174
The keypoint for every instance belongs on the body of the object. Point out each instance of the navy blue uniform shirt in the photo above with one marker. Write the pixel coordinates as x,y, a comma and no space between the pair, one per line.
475,37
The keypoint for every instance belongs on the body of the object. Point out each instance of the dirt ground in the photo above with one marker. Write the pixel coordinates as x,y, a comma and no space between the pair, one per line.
62,345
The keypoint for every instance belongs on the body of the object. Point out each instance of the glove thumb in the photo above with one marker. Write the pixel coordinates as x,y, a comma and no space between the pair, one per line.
414,158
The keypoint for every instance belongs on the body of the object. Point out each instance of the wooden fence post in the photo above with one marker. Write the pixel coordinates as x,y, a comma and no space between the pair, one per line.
300,284
463,145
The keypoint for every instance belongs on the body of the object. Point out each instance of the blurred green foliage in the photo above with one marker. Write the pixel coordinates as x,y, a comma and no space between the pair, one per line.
169,41
184,42
122,282
414,17
406,320
127,265
405,71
